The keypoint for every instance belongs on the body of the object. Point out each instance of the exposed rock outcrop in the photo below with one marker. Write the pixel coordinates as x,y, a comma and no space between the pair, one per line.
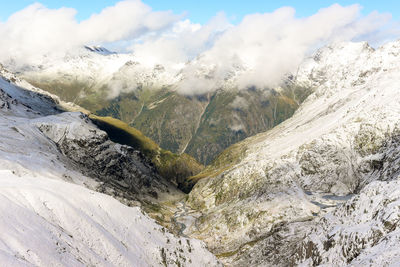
118,166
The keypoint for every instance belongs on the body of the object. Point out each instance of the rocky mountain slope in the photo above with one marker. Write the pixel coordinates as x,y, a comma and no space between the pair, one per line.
320,188
200,124
51,165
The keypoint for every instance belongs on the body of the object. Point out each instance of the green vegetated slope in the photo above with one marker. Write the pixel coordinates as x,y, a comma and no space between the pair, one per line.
82,93
171,119
201,126
234,115
277,106
174,167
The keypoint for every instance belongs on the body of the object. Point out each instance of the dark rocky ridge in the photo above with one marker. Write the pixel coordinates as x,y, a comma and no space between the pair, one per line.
121,169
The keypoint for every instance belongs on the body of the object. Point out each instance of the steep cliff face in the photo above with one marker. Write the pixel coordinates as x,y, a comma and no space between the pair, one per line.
279,183
51,165
175,168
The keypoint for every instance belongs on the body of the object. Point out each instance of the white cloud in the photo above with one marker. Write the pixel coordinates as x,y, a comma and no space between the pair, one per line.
272,44
36,30
126,20
262,48
182,43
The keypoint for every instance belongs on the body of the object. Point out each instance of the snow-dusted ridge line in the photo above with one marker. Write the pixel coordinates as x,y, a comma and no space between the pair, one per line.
335,143
49,217
124,72
100,50
98,67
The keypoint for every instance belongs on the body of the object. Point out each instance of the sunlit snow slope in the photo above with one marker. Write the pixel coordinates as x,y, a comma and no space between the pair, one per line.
260,193
48,217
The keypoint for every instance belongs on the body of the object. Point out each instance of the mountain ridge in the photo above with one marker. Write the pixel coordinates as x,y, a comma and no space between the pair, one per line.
51,165
146,97
324,155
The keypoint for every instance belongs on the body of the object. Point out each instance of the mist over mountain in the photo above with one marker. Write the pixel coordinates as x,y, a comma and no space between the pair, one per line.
267,46
200,125
313,185
137,137
183,72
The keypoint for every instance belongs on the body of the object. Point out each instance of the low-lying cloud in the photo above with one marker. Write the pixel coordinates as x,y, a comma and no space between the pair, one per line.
258,51
271,45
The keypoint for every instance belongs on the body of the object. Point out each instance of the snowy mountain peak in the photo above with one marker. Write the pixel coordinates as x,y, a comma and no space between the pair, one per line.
100,50
342,141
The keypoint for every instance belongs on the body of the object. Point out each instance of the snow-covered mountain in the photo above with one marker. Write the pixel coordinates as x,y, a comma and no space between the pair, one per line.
100,50
124,72
321,188
260,199
96,67
52,164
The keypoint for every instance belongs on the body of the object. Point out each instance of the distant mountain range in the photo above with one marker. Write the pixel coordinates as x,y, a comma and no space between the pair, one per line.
148,98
